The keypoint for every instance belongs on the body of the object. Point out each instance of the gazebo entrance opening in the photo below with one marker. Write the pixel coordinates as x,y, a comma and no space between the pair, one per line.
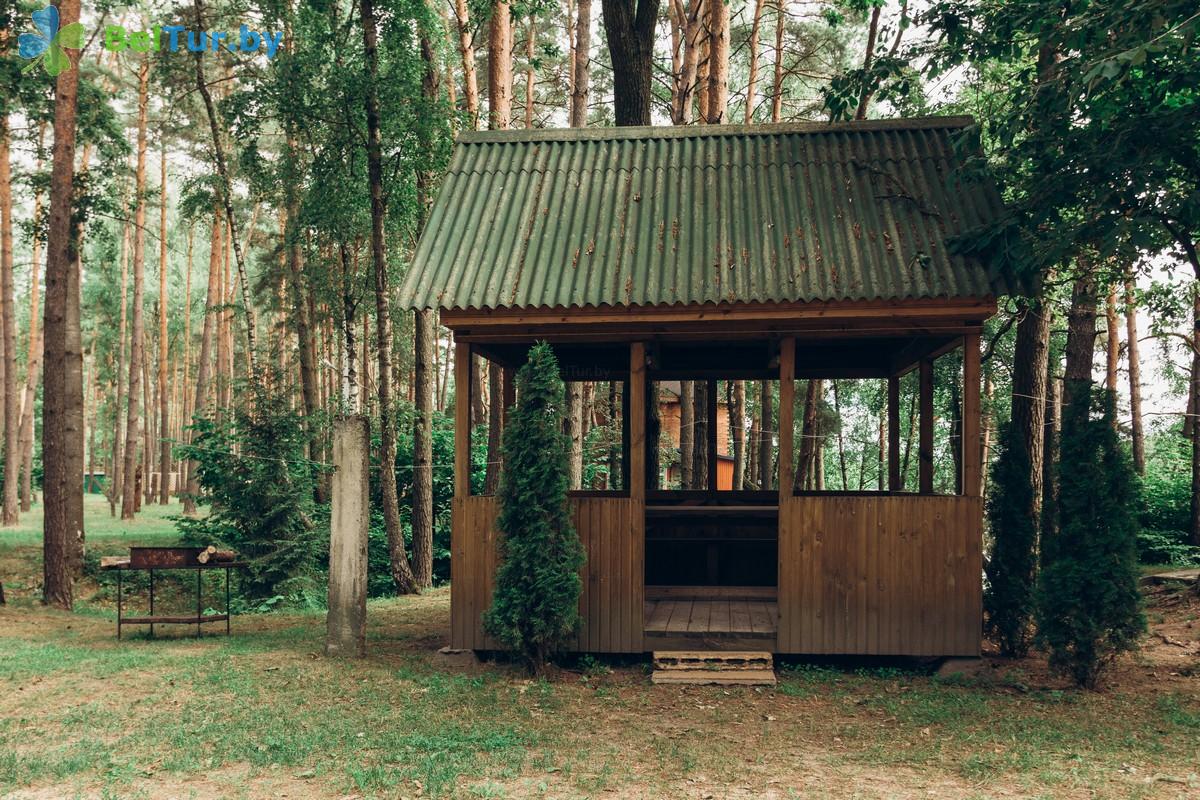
712,499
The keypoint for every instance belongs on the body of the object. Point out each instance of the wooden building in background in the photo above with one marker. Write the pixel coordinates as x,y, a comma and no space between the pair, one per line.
776,253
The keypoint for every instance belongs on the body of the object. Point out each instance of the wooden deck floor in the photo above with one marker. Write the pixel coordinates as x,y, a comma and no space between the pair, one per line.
681,617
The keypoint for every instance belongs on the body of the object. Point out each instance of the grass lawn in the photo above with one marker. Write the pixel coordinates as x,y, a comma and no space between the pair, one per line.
263,713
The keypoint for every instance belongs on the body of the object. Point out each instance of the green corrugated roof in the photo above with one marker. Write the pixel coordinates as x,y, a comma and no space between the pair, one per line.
702,214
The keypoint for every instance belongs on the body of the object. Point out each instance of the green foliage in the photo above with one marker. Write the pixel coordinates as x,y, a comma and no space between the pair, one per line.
380,581
253,470
1166,497
535,605
1011,569
1088,602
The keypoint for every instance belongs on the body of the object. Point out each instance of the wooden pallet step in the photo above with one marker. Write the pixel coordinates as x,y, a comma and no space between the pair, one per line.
693,677
713,660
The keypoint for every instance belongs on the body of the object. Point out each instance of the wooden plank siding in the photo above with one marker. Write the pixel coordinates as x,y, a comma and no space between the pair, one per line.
612,532
880,575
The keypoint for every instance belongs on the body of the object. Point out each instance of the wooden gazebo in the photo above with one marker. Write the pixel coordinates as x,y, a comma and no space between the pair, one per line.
777,253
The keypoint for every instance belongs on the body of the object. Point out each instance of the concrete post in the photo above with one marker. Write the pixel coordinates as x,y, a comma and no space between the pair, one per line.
346,621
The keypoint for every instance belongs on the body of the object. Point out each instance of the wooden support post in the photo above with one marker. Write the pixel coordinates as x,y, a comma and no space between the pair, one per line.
462,419
787,407
346,620
926,430
972,418
893,434
637,422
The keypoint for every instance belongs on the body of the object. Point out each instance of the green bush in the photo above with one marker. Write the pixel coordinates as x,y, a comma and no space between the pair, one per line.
1165,511
1011,568
1167,547
1088,609
535,607
253,472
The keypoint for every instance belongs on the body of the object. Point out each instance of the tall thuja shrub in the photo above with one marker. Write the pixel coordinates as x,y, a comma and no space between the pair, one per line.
1012,567
1089,609
535,607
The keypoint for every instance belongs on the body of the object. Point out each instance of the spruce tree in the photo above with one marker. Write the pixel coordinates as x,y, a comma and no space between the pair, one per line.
535,606
1089,609
1012,568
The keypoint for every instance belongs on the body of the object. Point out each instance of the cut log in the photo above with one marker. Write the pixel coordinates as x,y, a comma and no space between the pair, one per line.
212,555
112,562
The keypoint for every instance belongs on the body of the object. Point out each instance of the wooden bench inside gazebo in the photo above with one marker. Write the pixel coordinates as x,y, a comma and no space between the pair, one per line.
769,258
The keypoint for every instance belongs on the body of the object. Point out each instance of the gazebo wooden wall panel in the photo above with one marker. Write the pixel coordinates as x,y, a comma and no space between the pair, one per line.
612,532
880,575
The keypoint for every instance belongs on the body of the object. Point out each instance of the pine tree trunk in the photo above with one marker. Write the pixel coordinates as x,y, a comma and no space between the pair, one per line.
467,52
872,33
164,420
185,416
985,450
766,434
500,46
36,344
133,433
629,29
62,408
425,332
1112,342
12,411
208,332
687,434
737,426
149,433
841,441
777,85
226,195
653,435
574,425
701,421
806,468
752,86
299,295
688,24
881,465
117,487
1081,338
497,377
401,571
1135,380
1029,388
1049,449
581,69
718,62
530,44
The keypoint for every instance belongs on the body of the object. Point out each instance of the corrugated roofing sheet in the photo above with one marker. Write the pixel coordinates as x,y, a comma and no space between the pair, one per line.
717,214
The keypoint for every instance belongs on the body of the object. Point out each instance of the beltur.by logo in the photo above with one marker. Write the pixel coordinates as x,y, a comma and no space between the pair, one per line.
172,37
46,46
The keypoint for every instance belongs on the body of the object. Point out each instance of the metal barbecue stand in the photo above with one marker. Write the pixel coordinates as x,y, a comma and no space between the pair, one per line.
149,559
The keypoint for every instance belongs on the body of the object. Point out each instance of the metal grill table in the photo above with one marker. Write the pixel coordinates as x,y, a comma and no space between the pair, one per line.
163,559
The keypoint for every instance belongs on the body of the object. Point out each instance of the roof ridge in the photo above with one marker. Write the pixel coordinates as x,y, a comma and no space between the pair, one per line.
649,132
